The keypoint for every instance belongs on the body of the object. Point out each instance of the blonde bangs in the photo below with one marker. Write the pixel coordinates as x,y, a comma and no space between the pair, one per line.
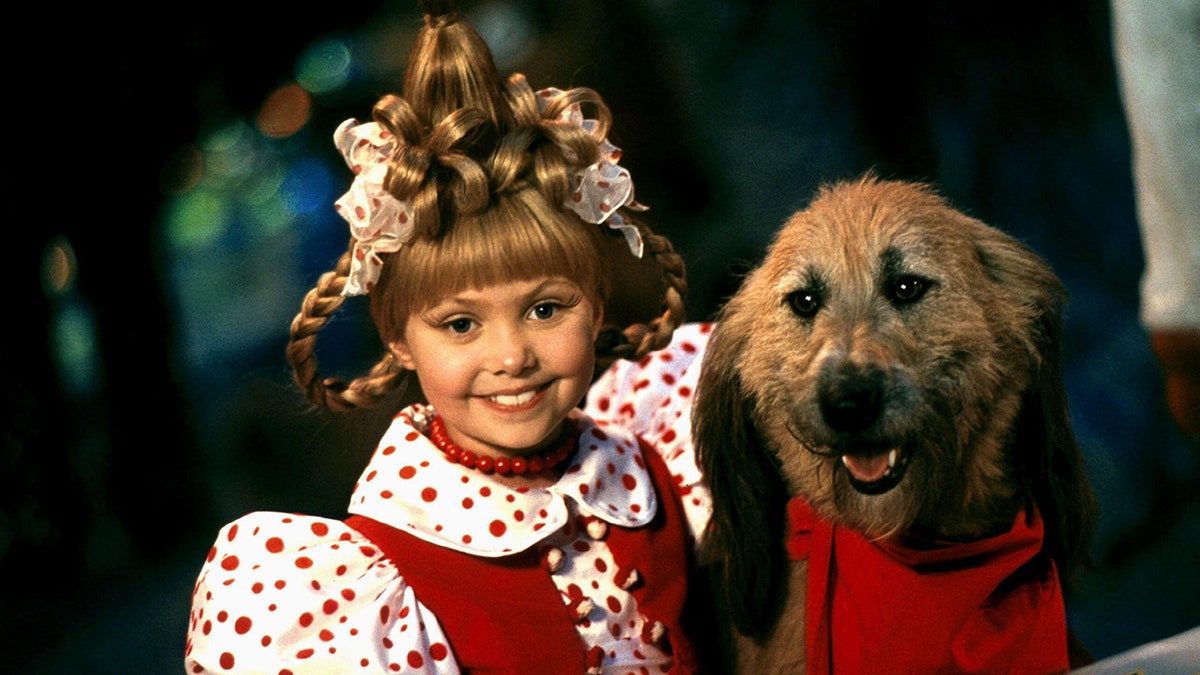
517,238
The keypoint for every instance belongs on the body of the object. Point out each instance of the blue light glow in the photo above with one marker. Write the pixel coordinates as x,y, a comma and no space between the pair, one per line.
308,186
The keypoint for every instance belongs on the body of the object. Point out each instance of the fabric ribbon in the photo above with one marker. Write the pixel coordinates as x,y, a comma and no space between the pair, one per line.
380,223
906,605
602,187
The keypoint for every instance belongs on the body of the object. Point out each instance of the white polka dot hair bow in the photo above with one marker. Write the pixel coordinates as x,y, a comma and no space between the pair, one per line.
603,187
380,223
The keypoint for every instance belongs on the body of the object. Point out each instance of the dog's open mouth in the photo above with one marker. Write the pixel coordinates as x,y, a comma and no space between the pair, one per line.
874,473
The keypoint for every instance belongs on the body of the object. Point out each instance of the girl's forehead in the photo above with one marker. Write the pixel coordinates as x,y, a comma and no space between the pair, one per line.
524,286
526,289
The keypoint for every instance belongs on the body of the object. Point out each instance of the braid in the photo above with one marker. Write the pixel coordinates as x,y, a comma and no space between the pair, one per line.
318,306
547,151
638,339
465,141
657,333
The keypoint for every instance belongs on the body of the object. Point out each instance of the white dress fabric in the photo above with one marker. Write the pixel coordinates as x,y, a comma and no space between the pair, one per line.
653,399
286,593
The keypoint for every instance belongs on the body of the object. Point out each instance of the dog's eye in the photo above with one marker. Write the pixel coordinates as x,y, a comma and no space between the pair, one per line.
804,302
907,290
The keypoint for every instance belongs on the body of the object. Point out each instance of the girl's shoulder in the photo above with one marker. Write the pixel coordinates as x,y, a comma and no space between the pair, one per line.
310,594
652,398
632,392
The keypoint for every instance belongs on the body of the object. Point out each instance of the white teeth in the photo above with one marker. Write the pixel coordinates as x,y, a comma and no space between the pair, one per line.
514,399
892,458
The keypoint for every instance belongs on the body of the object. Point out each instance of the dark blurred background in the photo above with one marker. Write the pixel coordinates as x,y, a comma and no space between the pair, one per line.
170,177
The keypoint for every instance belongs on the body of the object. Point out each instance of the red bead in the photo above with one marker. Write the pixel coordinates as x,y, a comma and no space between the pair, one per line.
502,465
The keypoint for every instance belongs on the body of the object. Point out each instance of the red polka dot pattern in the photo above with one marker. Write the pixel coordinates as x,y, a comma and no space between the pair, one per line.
257,607
468,511
287,593
653,398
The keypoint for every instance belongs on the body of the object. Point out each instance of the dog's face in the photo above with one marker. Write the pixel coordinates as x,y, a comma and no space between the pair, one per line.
887,342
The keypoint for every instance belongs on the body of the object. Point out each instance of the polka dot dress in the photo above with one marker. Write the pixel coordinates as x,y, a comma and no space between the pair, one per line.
281,593
286,593
653,398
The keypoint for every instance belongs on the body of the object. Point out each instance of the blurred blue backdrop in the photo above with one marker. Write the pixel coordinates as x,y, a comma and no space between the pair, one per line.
171,179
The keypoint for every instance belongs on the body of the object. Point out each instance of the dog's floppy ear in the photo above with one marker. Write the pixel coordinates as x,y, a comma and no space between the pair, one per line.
1045,452
1048,453
744,542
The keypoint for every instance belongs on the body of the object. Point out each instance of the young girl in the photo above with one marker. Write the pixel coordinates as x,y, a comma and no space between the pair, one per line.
497,528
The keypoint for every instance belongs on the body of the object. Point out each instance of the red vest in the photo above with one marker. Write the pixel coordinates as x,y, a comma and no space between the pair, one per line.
985,606
505,615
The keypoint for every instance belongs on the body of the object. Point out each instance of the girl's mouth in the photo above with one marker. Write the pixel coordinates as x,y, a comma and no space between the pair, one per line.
522,400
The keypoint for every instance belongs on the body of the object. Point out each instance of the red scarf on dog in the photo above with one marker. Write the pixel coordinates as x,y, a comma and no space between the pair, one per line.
905,606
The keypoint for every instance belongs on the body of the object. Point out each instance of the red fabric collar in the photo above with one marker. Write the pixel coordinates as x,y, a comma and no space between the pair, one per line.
927,607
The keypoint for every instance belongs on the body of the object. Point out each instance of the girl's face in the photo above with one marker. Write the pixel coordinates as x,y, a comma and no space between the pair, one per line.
503,365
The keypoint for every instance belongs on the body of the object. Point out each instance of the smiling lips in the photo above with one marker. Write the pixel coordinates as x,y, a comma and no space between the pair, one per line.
519,401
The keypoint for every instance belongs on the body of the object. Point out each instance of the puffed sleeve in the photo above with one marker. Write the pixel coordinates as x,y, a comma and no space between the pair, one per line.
653,399
287,593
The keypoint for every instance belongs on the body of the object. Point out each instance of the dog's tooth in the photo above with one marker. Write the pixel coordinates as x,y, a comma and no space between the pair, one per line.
892,456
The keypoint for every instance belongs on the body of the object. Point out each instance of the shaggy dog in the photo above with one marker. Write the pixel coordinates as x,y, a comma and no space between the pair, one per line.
895,364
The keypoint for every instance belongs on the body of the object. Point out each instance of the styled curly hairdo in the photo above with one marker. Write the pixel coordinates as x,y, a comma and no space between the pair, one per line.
487,174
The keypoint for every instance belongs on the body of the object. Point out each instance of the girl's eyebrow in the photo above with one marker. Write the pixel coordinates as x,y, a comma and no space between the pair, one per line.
551,283
554,283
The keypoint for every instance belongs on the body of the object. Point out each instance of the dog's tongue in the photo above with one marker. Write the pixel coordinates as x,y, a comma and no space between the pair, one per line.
866,469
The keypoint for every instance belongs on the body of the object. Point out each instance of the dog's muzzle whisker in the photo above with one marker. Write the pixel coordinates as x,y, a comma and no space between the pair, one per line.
807,443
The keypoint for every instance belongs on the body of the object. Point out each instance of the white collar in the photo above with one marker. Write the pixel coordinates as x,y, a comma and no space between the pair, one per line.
410,485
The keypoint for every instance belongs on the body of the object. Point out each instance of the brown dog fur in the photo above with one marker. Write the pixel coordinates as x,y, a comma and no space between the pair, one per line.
880,318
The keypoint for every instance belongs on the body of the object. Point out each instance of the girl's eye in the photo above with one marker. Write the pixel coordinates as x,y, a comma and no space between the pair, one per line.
543,310
459,326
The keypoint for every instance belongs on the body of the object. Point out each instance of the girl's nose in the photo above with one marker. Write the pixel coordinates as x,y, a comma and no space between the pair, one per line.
513,353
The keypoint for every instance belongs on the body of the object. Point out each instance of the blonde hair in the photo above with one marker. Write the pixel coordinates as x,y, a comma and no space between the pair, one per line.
487,175
518,237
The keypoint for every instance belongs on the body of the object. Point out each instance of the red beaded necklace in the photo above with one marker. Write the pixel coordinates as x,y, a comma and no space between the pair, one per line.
505,466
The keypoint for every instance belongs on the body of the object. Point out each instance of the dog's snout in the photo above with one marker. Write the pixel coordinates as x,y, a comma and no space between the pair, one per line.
852,399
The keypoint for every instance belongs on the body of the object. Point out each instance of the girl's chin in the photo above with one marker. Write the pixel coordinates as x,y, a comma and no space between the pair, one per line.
515,442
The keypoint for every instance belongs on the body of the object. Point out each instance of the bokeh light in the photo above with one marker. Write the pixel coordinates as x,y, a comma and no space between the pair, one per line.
308,186
59,267
73,338
285,111
182,170
195,220
230,154
324,67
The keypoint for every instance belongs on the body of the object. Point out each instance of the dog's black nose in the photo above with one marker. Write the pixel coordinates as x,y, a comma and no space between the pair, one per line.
852,400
